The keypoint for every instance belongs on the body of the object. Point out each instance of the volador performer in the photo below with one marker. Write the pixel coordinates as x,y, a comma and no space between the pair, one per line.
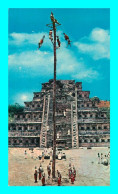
72,178
67,39
50,35
69,171
59,181
40,171
43,179
69,42
41,42
52,17
58,41
35,176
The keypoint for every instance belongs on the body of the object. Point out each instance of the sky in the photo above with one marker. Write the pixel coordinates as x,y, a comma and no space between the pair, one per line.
86,61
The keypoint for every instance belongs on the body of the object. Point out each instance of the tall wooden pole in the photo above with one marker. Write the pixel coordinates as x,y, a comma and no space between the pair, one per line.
54,105
53,26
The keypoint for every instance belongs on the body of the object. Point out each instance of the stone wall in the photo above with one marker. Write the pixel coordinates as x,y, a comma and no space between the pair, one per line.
79,121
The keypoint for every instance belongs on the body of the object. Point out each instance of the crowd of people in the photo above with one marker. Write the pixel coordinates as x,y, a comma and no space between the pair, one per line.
40,175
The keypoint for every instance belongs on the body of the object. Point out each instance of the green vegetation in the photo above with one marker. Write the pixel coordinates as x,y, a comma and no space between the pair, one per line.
95,99
14,109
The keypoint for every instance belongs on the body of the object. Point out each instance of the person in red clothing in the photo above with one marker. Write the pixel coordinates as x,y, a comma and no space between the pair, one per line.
50,35
41,42
59,181
66,37
35,176
72,178
70,172
40,172
43,179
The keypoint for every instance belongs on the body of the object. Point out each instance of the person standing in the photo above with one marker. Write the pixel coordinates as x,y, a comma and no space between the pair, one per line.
35,176
59,181
25,154
40,172
42,156
105,161
72,178
74,173
101,158
98,158
43,179
49,170
70,172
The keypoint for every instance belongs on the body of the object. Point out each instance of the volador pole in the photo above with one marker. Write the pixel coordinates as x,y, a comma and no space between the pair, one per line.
53,26
54,105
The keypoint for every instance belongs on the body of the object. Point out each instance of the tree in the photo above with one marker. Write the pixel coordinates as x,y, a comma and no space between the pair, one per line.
14,109
95,99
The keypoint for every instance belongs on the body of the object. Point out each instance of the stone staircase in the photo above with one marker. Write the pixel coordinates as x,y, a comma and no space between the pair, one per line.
74,124
43,138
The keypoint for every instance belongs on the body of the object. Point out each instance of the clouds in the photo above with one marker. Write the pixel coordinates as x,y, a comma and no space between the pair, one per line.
31,58
97,45
87,74
25,39
22,97
40,62
87,60
100,35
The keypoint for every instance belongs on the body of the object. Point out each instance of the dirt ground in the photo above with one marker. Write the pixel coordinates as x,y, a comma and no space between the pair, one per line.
89,172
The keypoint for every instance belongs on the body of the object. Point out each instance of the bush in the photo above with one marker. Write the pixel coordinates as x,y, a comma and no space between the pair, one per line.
15,109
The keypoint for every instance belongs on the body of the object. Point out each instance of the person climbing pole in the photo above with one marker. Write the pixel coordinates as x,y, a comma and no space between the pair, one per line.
50,35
